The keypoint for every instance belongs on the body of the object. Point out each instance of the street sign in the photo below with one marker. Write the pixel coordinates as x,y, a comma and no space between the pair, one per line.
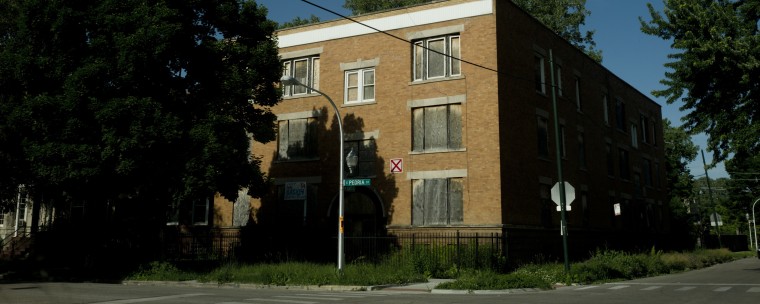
569,195
295,191
356,182
397,165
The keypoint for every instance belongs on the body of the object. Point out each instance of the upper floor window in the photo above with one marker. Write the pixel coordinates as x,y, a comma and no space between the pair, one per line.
540,75
360,86
297,139
437,128
305,70
620,115
606,109
578,103
634,136
644,123
437,57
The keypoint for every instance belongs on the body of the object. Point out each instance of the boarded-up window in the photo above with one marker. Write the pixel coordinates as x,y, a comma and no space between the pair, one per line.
437,202
297,139
437,128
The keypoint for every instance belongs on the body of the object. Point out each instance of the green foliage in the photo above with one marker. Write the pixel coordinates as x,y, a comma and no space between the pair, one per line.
134,100
602,267
679,152
293,274
445,261
489,280
564,17
297,21
614,265
714,69
161,271
367,6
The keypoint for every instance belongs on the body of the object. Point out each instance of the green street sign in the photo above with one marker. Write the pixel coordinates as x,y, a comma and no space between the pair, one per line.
356,182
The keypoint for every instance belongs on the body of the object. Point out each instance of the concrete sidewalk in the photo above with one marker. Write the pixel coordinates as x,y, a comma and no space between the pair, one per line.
428,286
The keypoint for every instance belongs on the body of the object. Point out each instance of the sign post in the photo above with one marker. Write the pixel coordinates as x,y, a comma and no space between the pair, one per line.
569,195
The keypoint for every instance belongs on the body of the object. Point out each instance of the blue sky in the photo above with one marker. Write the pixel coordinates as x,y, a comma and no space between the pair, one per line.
634,56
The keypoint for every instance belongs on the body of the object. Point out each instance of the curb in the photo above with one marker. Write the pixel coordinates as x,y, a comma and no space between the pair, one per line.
197,284
395,288
485,292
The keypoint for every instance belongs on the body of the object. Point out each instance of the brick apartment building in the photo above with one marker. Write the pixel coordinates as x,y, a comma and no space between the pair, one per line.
452,145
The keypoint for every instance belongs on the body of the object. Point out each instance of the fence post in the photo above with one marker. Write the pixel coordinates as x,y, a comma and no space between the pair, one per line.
459,253
504,244
477,256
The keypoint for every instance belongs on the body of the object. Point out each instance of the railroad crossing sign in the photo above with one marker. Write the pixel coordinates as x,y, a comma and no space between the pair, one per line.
569,196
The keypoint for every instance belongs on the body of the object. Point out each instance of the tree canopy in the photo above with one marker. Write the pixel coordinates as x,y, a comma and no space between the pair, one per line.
135,100
715,70
679,152
564,17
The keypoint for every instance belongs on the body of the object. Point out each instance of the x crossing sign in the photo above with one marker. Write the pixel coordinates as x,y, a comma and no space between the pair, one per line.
397,165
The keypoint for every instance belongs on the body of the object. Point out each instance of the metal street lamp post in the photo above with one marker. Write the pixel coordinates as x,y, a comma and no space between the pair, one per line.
754,224
289,80
560,180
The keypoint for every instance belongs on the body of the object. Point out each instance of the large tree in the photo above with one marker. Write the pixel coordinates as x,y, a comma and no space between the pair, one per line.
139,101
679,152
564,17
715,70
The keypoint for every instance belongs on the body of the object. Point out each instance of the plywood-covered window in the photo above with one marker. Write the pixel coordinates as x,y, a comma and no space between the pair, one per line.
297,139
437,128
437,201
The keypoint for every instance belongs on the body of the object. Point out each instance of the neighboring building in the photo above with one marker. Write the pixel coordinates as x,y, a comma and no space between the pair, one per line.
452,145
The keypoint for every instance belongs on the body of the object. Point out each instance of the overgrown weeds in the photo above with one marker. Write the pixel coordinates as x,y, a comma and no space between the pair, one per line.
603,266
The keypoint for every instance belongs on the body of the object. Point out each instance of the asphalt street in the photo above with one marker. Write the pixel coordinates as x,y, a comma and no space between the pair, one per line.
736,283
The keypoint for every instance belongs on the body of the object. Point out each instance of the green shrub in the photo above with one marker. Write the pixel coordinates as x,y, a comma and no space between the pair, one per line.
489,280
161,271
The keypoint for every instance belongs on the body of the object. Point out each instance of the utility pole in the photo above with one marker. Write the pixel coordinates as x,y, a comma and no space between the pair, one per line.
712,202
563,200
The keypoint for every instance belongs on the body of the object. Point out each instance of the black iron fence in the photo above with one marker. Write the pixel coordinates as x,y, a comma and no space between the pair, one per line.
443,250
209,245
